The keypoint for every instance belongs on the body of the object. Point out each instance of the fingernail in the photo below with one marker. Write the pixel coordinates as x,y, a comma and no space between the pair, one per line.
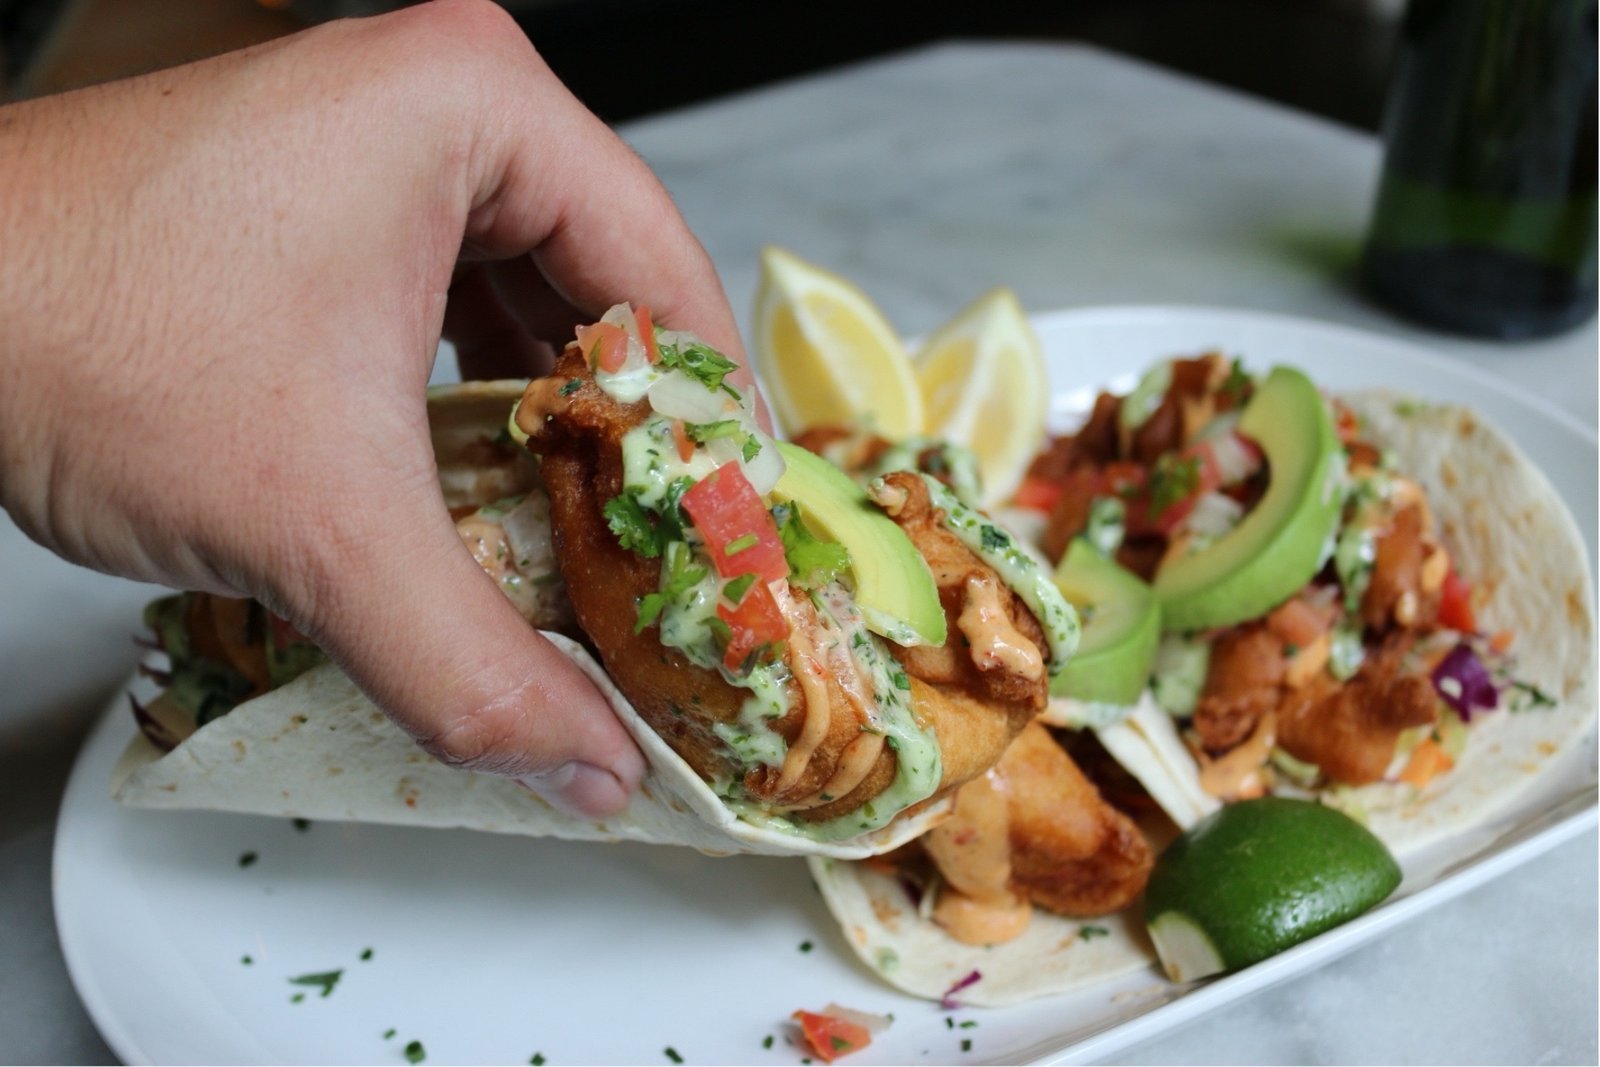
580,790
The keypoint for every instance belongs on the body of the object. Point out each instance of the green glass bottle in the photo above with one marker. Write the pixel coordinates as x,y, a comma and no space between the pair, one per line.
1485,215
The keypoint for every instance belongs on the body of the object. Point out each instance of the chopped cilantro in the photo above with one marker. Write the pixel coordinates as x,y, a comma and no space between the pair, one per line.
1172,479
751,448
247,859
572,386
766,1042
366,954
1089,933
651,605
1527,697
949,1023
702,363
415,1053
805,946
387,1034
741,544
301,824
737,587
325,980
813,561
1291,650
839,1043
966,1044
679,574
297,998
1237,383
711,431
969,1024
246,960
672,1054
536,1060
995,539
631,523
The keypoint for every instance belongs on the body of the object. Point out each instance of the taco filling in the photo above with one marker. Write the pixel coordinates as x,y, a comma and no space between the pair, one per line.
825,656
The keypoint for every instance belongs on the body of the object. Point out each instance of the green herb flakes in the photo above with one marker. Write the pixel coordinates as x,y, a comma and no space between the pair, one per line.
246,960
805,946
969,1024
631,523
966,1044
301,824
572,386
389,1033
741,544
366,954
994,538
1172,479
1089,933
766,1042
415,1053
736,588
813,561
324,980
248,859
536,1060
672,1054
702,363
297,998
839,1044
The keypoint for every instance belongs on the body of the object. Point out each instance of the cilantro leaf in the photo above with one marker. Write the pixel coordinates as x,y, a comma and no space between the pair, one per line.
1171,480
631,523
711,431
325,980
679,574
737,587
702,363
813,561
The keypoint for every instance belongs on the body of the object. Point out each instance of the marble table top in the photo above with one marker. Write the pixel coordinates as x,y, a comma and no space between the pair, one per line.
1078,179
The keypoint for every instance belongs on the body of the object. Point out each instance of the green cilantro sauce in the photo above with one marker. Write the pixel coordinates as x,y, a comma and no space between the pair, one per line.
1016,569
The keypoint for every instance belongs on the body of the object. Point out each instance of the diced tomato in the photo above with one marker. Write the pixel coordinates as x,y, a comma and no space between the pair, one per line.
1455,604
740,535
647,334
1208,476
680,436
1039,494
604,345
830,1037
1346,424
754,622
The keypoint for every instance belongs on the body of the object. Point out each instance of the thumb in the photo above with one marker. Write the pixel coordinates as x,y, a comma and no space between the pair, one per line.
429,637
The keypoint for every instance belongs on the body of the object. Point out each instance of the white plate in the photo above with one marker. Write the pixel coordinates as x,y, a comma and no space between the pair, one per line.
490,949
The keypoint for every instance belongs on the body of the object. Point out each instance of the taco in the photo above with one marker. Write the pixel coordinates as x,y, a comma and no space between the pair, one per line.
1406,633
807,669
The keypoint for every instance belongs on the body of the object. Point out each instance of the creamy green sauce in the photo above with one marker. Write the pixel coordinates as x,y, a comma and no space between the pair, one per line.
1016,569
959,464
650,462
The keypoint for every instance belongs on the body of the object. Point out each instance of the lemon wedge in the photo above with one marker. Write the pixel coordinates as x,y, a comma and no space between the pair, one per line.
826,353
983,386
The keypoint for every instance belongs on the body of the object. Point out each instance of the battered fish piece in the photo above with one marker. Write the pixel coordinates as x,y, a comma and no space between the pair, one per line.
1033,831
835,761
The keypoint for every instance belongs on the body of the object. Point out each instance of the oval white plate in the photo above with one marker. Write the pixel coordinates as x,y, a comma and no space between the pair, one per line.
491,949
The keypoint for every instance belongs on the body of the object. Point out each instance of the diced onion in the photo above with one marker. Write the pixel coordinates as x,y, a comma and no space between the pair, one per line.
527,529
1236,460
872,1023
678,396
767,466
1214,514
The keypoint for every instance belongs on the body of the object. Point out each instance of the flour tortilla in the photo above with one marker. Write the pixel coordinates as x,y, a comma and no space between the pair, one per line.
1509,534
316,748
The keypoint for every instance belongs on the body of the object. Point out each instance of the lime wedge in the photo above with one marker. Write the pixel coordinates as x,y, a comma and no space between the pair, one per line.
1257,877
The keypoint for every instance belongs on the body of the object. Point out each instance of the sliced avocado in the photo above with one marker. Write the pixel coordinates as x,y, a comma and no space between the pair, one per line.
1278,547
1121,628
894,587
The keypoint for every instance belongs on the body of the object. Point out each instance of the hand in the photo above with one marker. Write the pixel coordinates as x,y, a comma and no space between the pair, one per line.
222,289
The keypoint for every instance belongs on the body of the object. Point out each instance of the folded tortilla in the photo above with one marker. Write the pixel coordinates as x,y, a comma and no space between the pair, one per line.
1510,534
316,748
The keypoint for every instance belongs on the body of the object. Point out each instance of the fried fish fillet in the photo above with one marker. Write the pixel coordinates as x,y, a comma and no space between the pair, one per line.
975,708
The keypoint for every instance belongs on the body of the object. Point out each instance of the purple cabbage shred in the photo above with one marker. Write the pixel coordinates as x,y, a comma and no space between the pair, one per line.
1464,683
948,1002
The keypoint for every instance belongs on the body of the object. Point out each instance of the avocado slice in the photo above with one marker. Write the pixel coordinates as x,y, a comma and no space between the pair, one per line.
1121,628
1278,547
893,586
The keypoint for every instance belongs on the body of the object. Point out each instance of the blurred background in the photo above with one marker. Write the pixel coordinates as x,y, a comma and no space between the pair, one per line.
1329,57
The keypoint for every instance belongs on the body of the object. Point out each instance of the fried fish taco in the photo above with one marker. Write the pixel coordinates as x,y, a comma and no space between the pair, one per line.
807,669
1369,600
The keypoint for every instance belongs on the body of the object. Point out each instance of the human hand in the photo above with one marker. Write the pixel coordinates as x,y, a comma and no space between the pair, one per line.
222,288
